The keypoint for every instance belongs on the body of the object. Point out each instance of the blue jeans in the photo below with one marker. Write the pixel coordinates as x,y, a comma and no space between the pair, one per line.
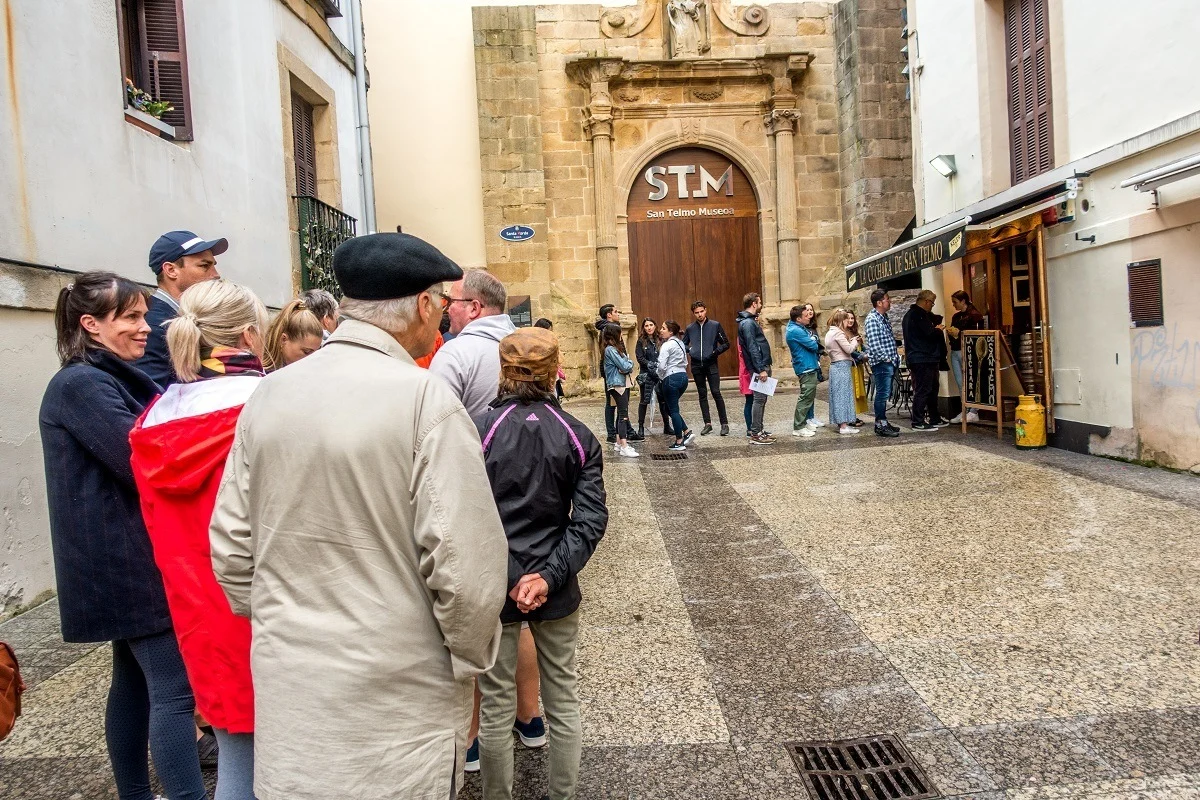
881,376
235,765
150,701
956,367
673,388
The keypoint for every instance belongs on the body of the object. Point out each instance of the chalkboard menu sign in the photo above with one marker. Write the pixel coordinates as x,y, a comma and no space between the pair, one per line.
979,369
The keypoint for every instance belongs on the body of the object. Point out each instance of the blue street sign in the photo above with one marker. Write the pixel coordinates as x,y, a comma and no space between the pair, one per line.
516,233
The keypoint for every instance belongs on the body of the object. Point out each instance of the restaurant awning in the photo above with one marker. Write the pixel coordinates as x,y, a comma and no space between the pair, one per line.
927,250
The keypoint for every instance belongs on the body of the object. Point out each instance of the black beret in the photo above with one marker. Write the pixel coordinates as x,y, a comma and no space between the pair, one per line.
386,266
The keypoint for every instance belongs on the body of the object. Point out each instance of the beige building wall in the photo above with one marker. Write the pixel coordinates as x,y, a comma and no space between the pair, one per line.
81,188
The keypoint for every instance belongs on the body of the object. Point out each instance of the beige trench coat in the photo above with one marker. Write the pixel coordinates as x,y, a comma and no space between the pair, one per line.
355,526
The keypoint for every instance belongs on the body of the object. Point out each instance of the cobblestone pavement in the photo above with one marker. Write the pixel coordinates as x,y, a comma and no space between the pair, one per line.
1025,622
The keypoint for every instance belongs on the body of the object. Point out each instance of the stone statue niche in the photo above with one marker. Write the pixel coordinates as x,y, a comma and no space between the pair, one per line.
687,28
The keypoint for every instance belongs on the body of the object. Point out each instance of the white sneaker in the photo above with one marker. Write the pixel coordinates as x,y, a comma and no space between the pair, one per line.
972,416
811,424
805,431
847,429
957,418
628,452
817,423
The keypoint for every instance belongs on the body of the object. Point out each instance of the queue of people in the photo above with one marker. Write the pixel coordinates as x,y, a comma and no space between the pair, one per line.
348,613
430,554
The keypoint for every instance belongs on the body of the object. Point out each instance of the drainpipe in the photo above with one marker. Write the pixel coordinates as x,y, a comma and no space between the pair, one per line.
362,123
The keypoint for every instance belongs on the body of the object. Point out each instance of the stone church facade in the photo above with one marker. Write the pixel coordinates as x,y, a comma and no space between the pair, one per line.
689,149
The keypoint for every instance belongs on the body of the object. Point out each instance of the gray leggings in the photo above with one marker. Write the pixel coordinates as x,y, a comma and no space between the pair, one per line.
235,765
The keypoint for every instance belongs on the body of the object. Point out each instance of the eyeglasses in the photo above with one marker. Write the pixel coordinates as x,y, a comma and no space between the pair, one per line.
461,300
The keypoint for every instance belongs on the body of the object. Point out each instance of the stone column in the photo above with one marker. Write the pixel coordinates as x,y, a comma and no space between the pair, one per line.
600,131
781,125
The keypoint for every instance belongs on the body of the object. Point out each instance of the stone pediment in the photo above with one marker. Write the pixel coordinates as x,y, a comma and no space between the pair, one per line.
781,69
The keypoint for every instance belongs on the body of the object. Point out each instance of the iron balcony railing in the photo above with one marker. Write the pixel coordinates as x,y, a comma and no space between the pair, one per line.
322,229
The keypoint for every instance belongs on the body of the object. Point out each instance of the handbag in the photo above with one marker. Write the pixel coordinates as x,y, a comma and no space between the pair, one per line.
11,689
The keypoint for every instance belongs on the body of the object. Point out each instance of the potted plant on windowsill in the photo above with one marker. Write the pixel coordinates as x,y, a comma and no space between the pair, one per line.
146,112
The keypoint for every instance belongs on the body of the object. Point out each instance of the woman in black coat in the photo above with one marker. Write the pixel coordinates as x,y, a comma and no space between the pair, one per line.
109,588
647,379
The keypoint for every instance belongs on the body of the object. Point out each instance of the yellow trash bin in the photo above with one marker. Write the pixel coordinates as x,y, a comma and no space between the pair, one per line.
1030,423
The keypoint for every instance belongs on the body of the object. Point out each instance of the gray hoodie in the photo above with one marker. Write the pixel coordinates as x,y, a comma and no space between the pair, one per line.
470,362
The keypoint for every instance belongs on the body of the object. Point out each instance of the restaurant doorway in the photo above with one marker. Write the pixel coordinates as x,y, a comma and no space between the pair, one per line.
1004,271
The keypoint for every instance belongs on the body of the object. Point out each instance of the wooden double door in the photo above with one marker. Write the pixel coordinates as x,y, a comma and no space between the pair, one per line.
714,256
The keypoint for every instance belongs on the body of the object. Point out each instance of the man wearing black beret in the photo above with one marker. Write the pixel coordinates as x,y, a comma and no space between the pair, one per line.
356,527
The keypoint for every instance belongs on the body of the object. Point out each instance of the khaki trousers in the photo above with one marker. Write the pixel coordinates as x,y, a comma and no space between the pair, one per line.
555,640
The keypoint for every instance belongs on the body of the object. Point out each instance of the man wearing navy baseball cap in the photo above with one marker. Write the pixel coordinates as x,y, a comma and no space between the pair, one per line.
178,259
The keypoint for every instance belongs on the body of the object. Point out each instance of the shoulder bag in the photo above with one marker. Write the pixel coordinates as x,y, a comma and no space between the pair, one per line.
11,688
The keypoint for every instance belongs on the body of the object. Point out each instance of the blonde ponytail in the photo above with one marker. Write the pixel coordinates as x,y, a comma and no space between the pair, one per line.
294,321
211,314
183,343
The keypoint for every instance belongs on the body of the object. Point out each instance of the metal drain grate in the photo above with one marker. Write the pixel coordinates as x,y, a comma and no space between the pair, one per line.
873,768
668,456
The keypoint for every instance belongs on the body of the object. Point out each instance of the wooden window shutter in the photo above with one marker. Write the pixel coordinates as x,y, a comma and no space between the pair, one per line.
1145,293
164,58
1031,124
305,146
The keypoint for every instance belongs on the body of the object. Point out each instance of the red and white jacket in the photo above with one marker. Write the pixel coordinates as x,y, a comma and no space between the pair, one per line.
180,444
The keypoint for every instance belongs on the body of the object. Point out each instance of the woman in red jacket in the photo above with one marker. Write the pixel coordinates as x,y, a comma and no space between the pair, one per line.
179,449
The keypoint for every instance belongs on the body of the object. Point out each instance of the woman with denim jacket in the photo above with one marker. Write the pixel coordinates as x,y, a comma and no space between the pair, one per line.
617,367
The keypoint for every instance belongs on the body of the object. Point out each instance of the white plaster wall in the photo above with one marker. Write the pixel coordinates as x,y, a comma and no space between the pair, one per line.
28,359
1144,378
1129,68
97,191
948,91
1117,71
424,119
82,188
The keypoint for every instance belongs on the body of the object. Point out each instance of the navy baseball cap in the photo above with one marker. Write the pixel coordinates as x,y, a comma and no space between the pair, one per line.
177,244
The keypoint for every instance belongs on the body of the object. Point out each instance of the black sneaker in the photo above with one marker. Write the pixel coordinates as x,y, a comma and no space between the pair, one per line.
923,427
637,436
612,437
887,430
940,423
724,429
206,748
891,427
706,430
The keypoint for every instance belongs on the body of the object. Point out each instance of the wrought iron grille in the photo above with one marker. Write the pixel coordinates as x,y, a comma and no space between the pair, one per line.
322,229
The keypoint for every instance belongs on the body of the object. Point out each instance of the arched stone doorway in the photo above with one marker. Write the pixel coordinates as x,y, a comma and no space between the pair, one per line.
693,227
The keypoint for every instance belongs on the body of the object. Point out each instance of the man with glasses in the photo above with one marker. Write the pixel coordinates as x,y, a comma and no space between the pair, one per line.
470,362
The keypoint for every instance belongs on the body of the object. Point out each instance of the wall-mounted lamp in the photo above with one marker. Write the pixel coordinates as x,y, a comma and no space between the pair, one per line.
944,165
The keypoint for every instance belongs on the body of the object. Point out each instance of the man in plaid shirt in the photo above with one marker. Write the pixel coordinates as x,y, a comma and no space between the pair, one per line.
884,357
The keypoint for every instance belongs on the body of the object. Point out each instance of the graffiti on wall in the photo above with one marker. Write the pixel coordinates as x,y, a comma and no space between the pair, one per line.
1163,359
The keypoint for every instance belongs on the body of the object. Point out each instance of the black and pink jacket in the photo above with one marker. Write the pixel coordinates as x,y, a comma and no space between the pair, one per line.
547,476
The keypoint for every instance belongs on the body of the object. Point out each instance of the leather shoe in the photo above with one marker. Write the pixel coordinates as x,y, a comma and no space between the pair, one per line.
706,430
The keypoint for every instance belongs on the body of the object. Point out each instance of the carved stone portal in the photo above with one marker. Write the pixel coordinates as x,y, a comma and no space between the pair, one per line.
625,22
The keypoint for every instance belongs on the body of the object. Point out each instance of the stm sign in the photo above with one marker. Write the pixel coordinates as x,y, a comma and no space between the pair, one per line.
654,177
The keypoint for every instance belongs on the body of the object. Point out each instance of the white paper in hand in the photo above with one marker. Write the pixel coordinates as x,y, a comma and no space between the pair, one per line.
766,387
